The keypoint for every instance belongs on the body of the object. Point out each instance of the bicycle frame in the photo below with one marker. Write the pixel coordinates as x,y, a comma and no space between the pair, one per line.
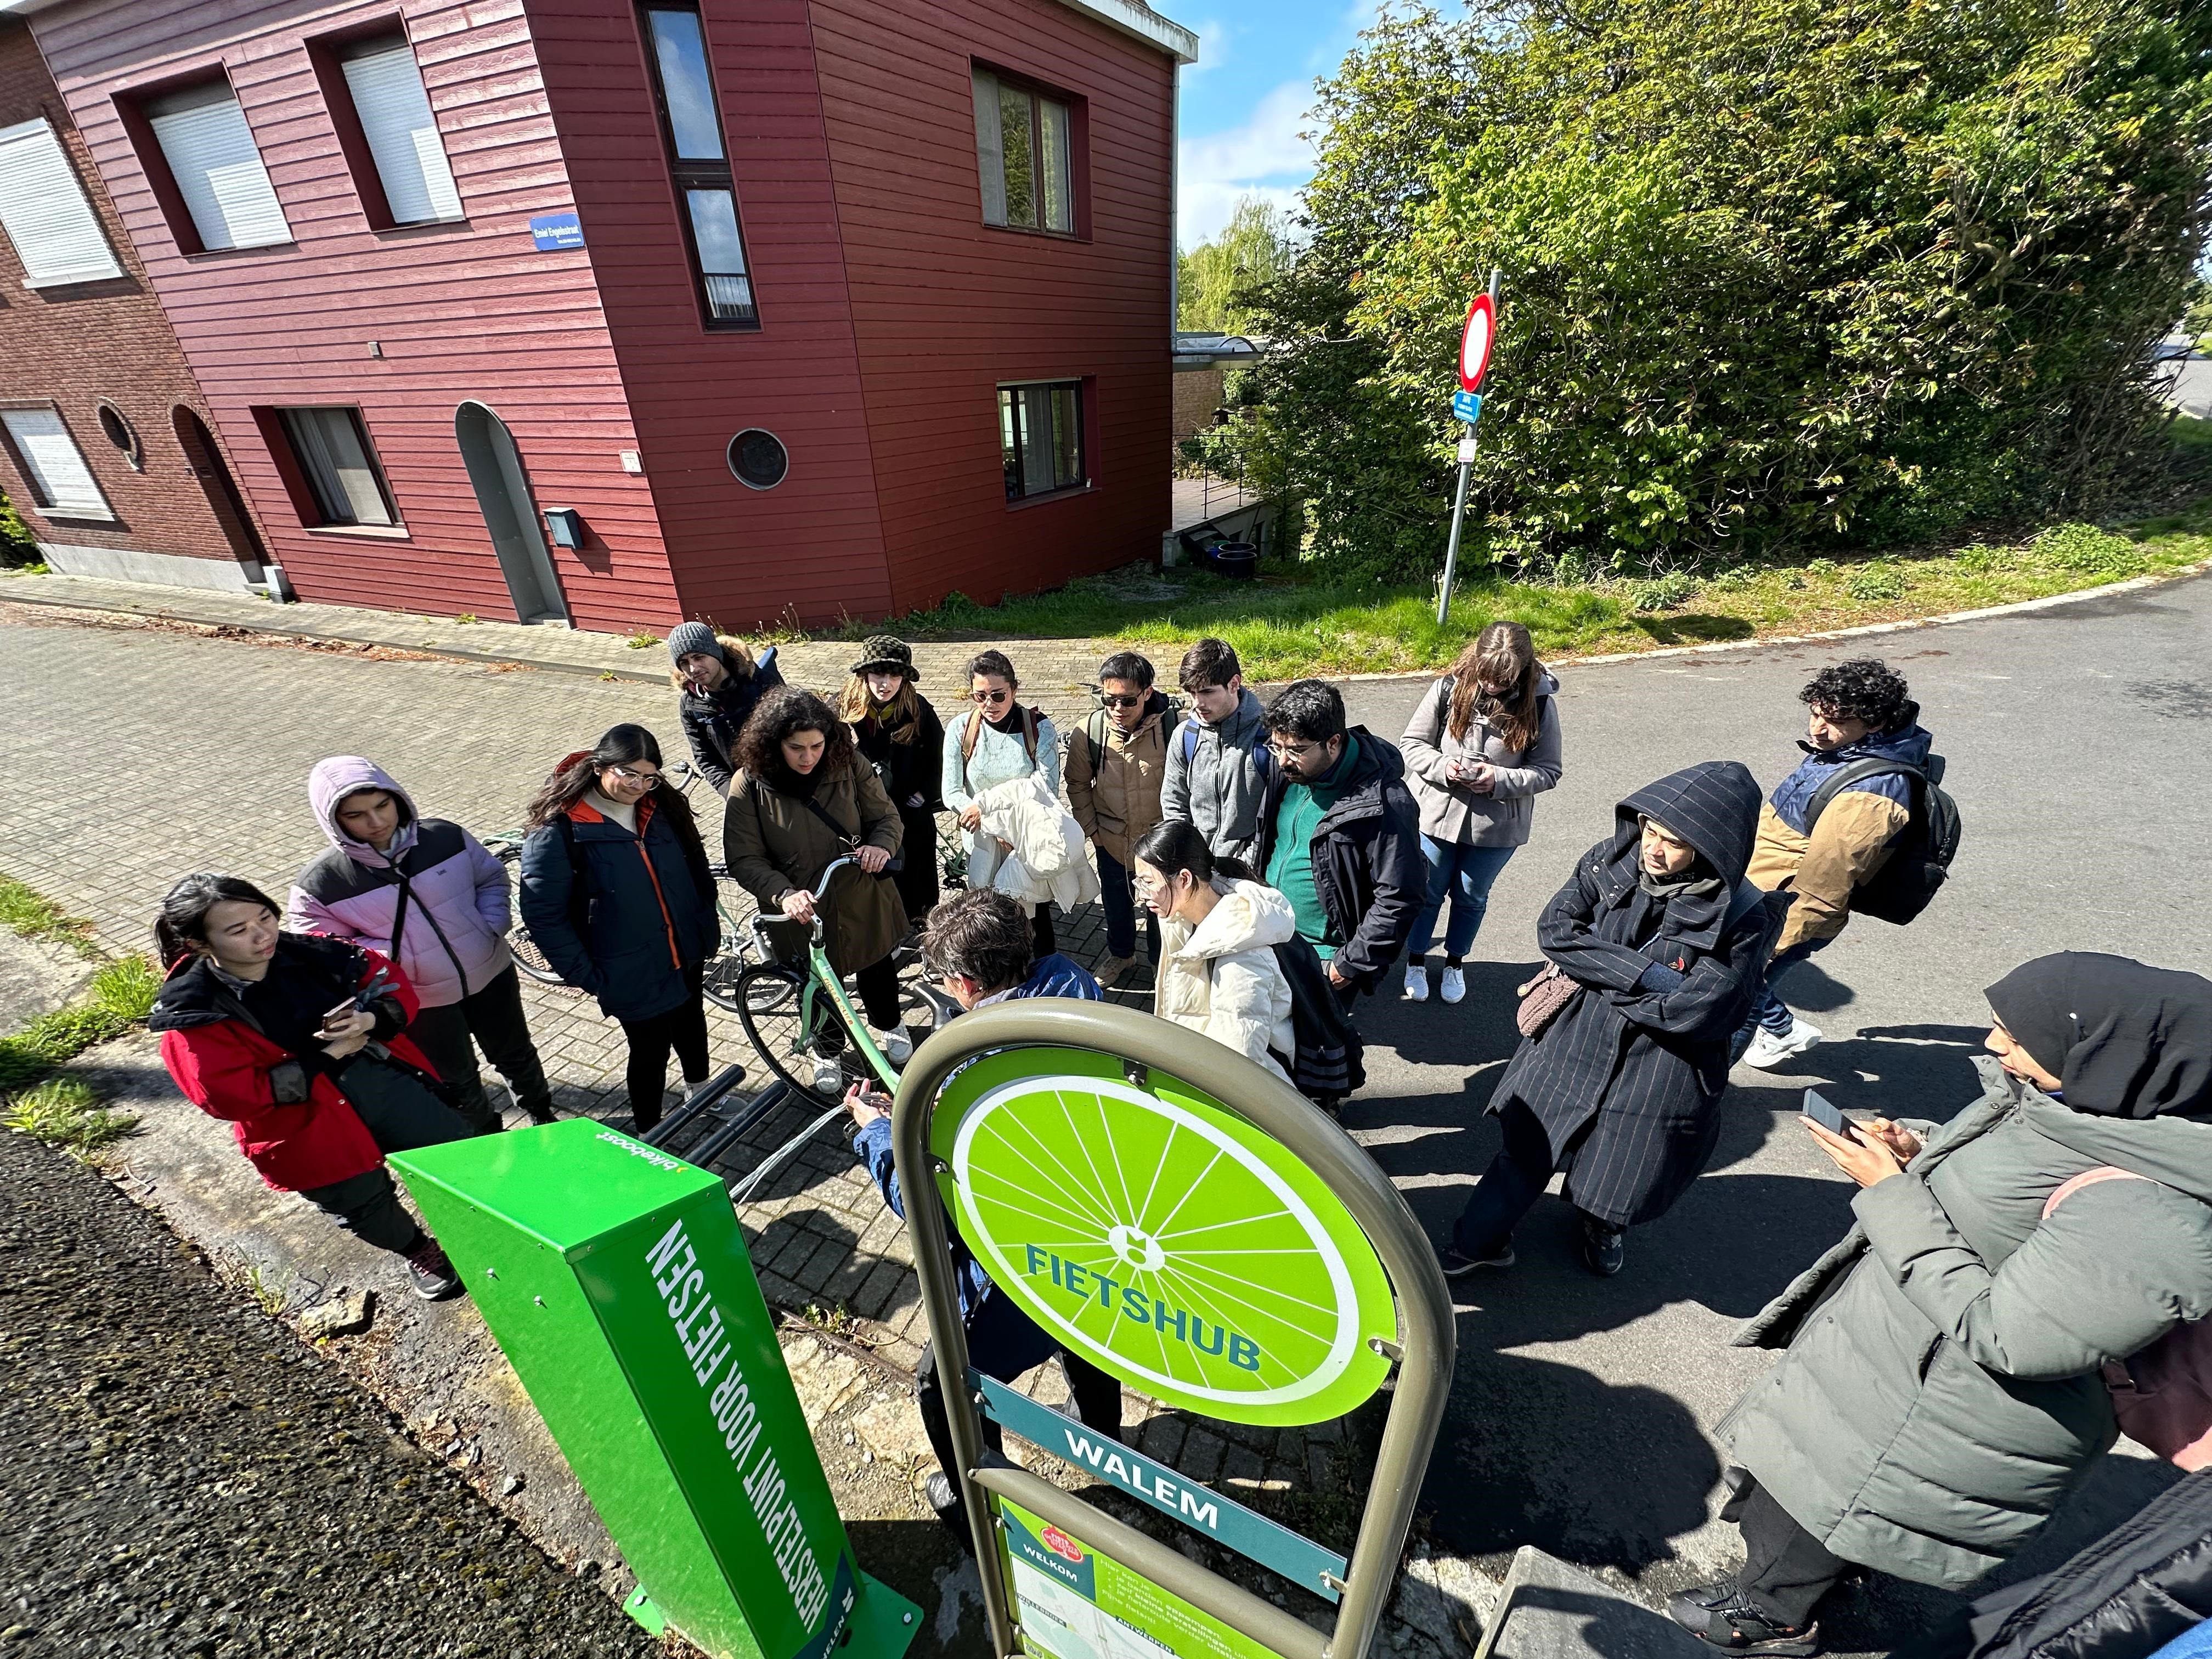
822,977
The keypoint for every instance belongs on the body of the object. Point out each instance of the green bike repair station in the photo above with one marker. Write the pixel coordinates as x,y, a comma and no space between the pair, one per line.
1160,1203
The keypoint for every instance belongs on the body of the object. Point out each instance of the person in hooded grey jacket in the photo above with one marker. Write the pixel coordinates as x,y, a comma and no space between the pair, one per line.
1620,1091
1483,743
1944,1389
1217,761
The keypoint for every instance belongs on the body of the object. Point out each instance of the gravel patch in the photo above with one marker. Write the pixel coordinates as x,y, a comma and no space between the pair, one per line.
183,1478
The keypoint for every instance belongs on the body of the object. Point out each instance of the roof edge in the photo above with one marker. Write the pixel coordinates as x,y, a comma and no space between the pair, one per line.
1131,17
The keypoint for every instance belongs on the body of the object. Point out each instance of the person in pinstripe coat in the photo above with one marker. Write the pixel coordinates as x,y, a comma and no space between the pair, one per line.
1665,940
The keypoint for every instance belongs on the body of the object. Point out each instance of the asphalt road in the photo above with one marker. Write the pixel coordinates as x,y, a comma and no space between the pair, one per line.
1581,1411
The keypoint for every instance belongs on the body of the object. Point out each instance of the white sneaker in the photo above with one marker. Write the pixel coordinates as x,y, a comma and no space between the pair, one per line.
897,1046
1767,1049
1454,989
1417,983
828,1076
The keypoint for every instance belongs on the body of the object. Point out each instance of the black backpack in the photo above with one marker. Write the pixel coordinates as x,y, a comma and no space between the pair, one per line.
1921,856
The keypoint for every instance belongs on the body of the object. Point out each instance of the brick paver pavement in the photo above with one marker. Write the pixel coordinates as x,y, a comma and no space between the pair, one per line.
138,754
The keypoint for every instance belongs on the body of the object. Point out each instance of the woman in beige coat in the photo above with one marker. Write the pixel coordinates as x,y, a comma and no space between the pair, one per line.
1217,970
804,800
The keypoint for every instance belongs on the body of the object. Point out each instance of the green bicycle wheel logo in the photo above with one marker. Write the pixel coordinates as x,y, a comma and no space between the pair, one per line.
1169,1241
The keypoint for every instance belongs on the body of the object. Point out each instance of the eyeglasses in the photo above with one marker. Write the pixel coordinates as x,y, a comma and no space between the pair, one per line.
1292,751
1144,884
992,696
650,780
1113,701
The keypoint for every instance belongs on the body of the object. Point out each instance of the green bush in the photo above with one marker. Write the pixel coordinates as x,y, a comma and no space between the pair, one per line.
1877,581
1777,273
18,545
2086,549
1667,593
1980,559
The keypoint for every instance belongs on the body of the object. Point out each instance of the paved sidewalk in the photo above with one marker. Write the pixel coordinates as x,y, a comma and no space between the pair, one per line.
1056,674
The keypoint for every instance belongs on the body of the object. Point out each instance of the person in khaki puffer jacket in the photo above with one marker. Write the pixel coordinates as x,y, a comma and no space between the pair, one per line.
1859,710
1116,763
1219,974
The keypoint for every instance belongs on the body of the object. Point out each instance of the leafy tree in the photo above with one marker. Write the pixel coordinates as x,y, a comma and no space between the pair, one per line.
1778,272
1215,280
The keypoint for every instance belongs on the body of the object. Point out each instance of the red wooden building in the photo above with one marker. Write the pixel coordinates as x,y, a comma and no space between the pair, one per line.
615,312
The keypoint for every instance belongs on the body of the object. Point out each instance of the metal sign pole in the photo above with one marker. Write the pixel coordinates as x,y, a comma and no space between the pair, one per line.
1135,1048
1459,495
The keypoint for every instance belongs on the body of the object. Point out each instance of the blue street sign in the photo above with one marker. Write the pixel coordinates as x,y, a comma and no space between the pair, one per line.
556,230
1467,406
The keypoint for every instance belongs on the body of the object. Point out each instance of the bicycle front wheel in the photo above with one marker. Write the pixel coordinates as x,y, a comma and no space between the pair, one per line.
529,960
786,1018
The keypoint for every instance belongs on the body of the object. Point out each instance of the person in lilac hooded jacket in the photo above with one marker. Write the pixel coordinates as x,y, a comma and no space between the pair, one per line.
425,893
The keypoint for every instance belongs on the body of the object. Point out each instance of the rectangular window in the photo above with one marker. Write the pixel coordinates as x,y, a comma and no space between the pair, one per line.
691,126
1025,151
217,169
386,86
339,466
61,483
45,213
1041,438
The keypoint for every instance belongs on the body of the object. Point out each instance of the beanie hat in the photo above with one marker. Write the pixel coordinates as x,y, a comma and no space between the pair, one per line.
887,651
686,637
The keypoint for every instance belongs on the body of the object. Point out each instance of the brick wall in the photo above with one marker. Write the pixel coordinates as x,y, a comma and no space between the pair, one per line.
94,343
1197,393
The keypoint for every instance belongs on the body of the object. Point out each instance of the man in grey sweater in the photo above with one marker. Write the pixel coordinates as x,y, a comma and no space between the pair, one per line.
1218,761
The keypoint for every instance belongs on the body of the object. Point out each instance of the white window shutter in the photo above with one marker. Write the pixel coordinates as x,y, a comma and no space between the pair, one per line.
402,136
218,171
45,211
57,470
990,148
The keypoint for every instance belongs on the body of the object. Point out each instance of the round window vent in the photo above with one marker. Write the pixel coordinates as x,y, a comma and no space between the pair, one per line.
118,432
759,458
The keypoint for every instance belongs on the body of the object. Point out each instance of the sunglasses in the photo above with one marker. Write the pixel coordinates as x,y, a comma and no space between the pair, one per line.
992,696
1113,701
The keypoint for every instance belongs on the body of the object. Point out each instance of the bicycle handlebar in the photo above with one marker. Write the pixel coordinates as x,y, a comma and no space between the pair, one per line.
761,919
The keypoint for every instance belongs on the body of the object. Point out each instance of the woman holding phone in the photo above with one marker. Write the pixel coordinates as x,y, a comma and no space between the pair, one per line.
1481,746
299,1041
1946,1383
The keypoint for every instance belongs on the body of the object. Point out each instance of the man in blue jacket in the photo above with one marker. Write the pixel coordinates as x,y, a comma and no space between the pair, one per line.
978,945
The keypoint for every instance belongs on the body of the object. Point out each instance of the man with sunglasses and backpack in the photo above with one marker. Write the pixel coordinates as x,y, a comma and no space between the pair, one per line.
1115,766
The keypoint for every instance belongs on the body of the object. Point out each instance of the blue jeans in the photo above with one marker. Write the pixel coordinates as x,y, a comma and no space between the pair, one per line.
1768,1011
1118,900
1464,874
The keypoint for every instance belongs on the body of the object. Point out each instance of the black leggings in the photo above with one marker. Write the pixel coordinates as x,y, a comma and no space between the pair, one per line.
683,1028
399,1118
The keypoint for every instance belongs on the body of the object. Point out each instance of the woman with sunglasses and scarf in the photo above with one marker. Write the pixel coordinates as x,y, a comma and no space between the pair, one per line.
616,893
999,739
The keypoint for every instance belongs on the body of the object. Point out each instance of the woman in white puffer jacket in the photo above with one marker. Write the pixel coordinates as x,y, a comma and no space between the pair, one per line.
1218,929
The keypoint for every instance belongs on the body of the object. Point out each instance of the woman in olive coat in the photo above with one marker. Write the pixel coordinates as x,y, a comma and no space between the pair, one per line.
1946,1383
805,798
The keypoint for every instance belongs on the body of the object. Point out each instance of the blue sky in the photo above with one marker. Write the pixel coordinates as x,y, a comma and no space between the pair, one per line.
1244,101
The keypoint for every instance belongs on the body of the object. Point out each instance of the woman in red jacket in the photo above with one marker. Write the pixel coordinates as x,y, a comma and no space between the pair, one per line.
295,1040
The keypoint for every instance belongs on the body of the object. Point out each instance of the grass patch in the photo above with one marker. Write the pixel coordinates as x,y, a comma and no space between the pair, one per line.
1284,628
65,1114
24,911
126,988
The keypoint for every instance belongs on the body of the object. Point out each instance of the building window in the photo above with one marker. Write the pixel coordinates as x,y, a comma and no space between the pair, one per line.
1025,151
117,427
385,86
45,211
1041,438
758,458
61,483
216,168
691,126
338,463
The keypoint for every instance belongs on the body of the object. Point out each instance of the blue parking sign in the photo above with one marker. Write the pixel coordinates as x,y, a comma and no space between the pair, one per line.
1467,406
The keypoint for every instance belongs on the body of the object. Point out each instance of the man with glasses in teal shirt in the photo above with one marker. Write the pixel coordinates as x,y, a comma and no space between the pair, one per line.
1340,836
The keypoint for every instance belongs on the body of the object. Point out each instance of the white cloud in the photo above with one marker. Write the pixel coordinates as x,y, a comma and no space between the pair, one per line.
1213,51
1265,157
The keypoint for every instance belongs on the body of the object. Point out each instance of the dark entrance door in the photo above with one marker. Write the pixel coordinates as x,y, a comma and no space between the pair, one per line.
509,512
204,456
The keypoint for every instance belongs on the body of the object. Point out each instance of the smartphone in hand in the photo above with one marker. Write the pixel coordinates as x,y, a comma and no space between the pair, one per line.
1828,1116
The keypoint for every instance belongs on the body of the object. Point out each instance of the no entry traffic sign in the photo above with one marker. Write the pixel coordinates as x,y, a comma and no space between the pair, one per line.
1475,342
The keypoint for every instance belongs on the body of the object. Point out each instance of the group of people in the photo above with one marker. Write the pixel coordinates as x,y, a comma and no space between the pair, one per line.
1944,1382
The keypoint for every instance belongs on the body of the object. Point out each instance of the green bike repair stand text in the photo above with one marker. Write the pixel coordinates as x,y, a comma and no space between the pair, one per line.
616,1283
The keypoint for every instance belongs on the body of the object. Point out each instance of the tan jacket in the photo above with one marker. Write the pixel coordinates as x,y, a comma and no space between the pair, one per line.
1850,841
773,844
1117,801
